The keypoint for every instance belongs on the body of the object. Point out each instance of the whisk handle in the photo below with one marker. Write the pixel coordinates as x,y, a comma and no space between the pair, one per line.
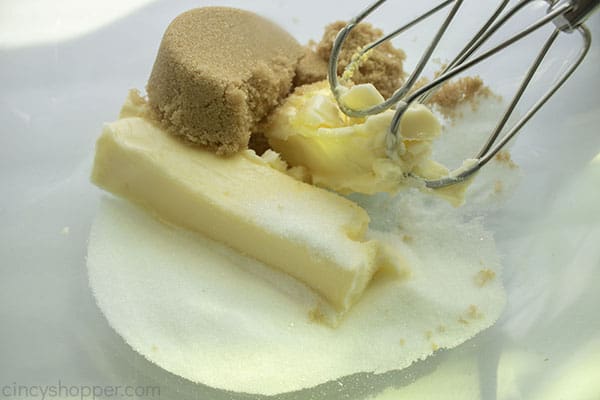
580,11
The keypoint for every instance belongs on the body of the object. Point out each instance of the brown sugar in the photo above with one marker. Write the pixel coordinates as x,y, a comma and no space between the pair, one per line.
383,68
484,276
455,93
462,90
218,72
473,312
504,157
311,68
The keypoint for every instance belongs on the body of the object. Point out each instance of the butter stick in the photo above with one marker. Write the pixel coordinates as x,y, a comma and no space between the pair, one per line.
313,235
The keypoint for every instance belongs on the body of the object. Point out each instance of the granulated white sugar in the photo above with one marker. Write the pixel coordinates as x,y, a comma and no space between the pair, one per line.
203,312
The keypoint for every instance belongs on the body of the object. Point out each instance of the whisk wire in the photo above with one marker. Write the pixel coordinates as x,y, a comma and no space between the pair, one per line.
471,43
408,84
464,65
587,40
485,154
484,158
567,15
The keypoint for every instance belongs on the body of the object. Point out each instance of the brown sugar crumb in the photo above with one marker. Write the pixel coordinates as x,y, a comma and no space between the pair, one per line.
218,72
317,315
484,277
498,187
473,312
503,156
456,92
383,68
408,239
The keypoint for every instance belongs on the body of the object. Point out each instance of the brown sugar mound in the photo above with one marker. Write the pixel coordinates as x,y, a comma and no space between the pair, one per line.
383,68
218,72
311,68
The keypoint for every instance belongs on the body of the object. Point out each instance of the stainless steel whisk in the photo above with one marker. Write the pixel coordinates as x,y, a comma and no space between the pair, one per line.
568,16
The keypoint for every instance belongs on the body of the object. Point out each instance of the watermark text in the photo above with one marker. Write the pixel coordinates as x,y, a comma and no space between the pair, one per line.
82,392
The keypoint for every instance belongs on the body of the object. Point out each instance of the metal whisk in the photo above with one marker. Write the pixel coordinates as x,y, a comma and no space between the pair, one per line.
568,17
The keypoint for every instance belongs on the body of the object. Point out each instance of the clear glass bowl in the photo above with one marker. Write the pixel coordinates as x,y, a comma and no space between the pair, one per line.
55,97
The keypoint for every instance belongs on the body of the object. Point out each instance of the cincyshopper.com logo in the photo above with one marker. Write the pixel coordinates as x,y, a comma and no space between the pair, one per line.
81,392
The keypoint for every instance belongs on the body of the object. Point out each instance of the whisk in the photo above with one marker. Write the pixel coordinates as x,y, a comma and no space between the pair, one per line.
568,16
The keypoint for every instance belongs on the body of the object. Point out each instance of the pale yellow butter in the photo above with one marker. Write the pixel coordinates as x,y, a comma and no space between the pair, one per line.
245,202
349,154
